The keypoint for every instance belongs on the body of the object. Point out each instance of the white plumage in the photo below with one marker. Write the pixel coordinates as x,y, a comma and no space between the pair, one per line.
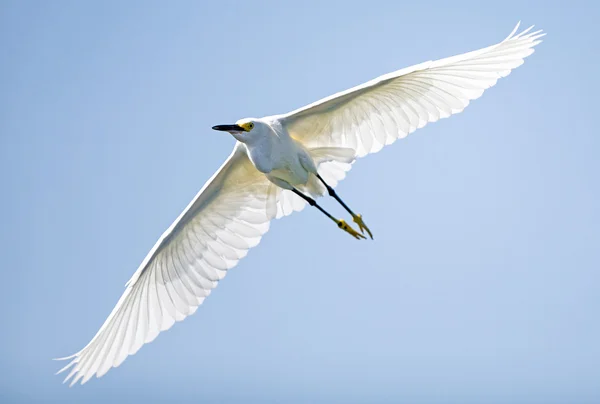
232,211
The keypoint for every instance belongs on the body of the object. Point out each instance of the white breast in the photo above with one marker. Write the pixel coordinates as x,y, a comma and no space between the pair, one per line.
277,155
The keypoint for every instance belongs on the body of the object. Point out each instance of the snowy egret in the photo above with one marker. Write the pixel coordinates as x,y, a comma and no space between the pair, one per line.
279,164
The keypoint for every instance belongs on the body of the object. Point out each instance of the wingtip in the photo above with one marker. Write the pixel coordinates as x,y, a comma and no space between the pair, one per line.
65,358
74,381
74,376
73,361
513,31
525,34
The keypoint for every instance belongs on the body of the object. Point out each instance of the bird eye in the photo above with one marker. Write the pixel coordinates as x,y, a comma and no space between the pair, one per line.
251,125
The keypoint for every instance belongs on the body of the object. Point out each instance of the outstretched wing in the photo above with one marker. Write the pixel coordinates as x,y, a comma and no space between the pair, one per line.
226,218
379,112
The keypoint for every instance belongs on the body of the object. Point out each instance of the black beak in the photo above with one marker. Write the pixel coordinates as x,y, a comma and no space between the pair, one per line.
229,128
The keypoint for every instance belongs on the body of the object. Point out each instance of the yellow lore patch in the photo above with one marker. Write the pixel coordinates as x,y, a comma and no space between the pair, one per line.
248,126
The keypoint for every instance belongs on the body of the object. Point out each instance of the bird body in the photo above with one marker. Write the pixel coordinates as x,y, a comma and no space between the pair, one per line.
274,153
280,164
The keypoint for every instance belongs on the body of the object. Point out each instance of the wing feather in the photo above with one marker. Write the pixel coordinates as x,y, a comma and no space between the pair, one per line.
226,218
375,114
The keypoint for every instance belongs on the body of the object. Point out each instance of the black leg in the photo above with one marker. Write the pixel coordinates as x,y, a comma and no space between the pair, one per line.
314,203
340,223
357,218
332,193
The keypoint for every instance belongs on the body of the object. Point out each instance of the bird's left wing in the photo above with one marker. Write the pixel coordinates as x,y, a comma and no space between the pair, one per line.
226,218
377,113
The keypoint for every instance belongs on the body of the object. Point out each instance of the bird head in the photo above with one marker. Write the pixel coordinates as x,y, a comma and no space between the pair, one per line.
244,130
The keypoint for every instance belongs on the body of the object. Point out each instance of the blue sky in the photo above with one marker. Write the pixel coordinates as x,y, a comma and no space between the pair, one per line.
481,285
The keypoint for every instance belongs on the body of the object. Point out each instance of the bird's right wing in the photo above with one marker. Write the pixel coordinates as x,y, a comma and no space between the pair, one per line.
369,116
228,216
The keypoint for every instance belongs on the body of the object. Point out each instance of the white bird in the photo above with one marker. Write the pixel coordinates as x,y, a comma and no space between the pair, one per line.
279,164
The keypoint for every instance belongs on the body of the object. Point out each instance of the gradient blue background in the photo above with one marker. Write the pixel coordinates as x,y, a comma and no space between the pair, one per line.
482,285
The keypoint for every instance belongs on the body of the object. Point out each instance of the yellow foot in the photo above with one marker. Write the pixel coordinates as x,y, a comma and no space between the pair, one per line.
345,226
358,220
